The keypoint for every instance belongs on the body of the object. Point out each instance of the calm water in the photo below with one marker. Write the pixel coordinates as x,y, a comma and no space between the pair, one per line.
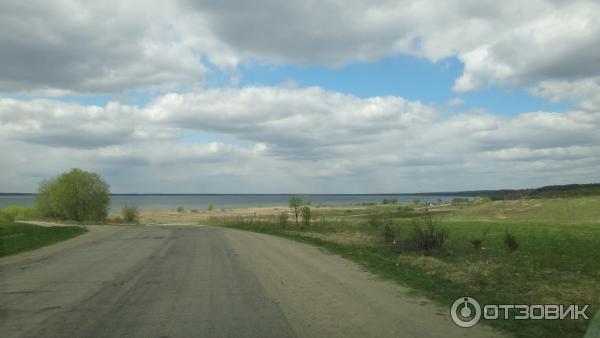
164,202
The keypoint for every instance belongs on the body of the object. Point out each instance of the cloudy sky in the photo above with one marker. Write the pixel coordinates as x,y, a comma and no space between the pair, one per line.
300,96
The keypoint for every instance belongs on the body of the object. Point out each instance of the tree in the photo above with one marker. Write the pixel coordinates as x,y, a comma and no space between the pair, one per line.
306,215
76,195
295,202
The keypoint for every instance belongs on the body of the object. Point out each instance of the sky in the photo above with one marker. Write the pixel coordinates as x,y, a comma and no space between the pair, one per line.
231,96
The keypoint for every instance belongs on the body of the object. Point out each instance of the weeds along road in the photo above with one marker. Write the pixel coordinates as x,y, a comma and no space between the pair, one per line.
195,281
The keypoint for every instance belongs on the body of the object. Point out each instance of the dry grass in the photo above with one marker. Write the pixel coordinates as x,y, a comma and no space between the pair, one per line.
345,238
557,259
190,216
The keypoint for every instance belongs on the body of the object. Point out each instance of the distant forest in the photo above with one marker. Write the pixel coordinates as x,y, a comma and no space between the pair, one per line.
550,191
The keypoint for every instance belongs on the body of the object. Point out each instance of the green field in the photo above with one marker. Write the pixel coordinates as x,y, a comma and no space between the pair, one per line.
16,237
557,261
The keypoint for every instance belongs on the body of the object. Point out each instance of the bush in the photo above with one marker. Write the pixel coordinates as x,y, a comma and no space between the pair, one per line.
179,209
478,242
428,237
390,201
389,235
210,206
510,241
388,218
460,200
306,216
482,199
297,204
18,213
76,195
373,220
130,213
283,220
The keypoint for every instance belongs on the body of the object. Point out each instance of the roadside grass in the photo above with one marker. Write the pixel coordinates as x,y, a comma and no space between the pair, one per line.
19,237
558,260
556,211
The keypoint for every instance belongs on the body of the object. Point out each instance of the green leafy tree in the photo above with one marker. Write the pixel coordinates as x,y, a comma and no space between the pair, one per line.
76,195
295,202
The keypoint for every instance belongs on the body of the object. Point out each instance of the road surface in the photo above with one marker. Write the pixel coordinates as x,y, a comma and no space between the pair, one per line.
196,281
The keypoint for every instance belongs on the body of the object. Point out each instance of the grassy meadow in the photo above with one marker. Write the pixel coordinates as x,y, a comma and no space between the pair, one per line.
520,251
557,260
17,237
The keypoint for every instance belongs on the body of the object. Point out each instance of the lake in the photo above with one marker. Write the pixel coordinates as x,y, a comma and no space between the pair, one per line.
167,202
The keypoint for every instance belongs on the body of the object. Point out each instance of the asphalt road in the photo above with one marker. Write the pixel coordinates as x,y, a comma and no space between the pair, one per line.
192,281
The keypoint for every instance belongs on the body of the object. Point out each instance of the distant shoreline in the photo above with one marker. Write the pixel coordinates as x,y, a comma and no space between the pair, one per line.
288,194
566,189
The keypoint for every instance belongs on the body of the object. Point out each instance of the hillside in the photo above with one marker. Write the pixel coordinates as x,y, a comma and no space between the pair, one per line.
550,191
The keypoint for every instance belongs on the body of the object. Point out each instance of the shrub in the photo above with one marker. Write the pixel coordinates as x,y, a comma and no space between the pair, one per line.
460,200
130,213
210,206
404,211
390,201
389,235
510,241
297,204
283,220
179,209
478,242
306,215
373,220
76,195
428,237
388,218
18,213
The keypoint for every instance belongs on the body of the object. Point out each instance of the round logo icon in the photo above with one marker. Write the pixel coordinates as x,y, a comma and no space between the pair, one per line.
465,312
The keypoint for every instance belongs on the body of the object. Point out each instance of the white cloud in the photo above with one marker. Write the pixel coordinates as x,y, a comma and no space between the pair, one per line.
57,123
272,139
298,123
275,139
501,43
63,46
585,93
58,47
558,42
455,101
